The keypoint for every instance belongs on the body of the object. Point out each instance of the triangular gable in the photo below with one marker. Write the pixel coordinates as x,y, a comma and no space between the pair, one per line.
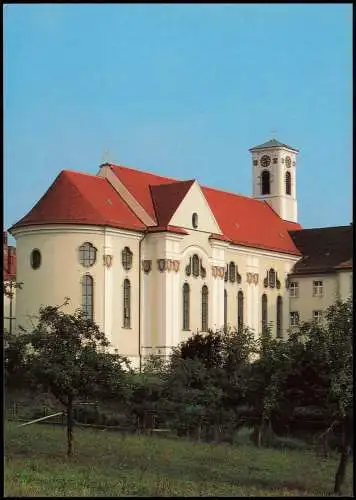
166,199
138,183
195,202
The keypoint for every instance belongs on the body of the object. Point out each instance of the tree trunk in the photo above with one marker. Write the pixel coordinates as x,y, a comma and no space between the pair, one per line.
70,428
341,470
344,457
260,432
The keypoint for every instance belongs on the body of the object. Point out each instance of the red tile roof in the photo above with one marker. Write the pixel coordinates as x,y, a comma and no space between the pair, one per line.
250,222
138,183
76,198
87,199
166,199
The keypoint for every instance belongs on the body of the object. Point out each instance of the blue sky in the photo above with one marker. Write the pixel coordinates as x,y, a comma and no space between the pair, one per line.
183,90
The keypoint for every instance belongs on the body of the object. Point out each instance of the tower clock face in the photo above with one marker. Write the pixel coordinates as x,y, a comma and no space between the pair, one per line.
265,161
288,161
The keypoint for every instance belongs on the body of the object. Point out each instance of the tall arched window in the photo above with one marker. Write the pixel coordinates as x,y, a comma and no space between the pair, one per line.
195,265
88,296
204,308
126,258
232,272
186,293
288,183
272,278
127,304
265,182
240,311
279,317
225,309
264,314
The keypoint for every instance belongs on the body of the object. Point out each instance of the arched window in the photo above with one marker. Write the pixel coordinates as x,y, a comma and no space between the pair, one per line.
225,309
279,317
186,293
272,278
88,296
195,265
195,220
127,304
126,257
87,254
265,182
240,311
288,183
264,314
232,272
204,308
35,259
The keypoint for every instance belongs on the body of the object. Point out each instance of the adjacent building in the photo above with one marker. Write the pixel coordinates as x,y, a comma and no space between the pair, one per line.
153,259
9,278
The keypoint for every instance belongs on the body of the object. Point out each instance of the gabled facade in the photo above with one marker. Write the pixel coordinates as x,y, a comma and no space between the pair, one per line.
153,259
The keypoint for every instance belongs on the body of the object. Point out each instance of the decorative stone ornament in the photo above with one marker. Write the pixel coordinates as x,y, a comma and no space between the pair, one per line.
146,266
168,265
217,271
252,278
161,264
107,260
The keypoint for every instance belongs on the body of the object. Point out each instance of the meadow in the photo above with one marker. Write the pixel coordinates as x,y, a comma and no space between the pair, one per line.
107,463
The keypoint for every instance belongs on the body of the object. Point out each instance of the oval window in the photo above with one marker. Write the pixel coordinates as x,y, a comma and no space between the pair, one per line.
35,259
195,220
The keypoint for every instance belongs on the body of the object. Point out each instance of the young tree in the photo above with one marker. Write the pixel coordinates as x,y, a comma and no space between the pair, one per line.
67,355
321,372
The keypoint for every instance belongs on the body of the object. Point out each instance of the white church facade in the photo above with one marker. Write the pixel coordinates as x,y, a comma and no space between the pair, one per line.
153,259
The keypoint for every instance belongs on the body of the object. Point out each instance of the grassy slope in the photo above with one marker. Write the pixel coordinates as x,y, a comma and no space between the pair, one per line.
109,464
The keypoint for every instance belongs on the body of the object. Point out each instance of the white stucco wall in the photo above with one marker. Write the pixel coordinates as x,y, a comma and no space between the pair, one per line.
60,276
195,202
160,311
284,205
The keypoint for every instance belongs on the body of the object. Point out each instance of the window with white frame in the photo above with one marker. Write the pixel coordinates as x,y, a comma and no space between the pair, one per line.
294,318
317,316
294,289
317,288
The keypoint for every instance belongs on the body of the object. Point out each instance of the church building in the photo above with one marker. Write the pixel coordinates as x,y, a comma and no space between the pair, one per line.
154,259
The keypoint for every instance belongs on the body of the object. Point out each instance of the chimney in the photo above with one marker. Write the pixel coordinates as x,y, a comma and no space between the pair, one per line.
5,237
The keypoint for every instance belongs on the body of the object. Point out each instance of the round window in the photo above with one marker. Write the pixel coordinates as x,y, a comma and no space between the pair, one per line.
35,259
195,220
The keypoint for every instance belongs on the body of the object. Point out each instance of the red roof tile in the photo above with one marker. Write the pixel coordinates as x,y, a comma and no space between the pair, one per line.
138,183
76,198
86,199
243,220
250,222
166,199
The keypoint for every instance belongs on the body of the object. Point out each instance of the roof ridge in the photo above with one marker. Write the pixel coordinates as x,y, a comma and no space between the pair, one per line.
232,193
66,170
144,172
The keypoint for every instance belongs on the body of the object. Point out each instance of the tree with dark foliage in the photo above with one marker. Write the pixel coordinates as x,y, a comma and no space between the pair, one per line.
68,356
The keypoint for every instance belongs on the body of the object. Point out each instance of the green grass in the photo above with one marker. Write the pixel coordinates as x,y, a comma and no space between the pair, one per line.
110,464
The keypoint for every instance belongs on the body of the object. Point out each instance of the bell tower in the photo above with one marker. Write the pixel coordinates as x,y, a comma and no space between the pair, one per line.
274,177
